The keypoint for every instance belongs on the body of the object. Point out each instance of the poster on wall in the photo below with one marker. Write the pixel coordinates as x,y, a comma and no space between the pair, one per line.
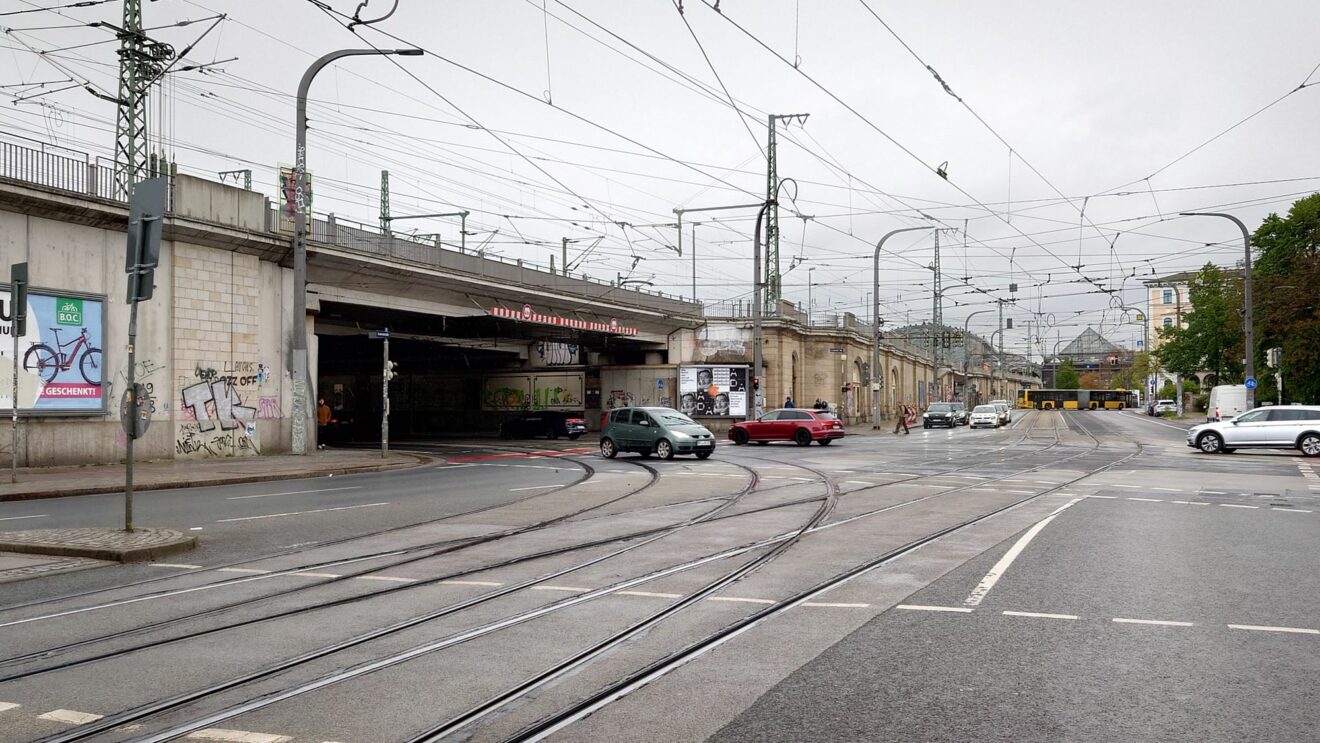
713,390
60,363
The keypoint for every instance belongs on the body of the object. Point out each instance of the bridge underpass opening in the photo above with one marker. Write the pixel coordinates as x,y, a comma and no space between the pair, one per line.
457,376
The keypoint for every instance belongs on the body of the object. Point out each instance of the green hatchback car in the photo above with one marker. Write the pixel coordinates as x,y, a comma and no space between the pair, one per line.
660,431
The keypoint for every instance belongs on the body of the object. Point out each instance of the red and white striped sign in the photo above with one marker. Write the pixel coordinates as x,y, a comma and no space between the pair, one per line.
527,315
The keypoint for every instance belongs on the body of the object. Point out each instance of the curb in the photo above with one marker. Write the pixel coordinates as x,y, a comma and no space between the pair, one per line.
214,481
139,554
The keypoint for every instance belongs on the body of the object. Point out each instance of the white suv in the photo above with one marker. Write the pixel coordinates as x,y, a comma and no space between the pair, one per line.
1274,427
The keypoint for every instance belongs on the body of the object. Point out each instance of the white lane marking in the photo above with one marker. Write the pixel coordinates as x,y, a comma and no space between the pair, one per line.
1290,510
1148,500
1161,622
469,583
179,565
919,607
1214,492
70,716
1169,490
1125,486
20,518
246,571
1236,505
301,513
1106,497
992,577
1020,492
984,490
1193,503
740,600
1039,615
569,589
390,578
236,736
318,575
857,482
543,487
293,492
1264,628
651,594
825,604
4,706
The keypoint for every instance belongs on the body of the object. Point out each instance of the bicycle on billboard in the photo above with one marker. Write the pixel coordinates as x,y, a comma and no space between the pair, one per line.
48,363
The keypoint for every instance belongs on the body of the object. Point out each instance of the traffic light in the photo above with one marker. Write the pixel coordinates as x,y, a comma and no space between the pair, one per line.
18,278
756,383
391,371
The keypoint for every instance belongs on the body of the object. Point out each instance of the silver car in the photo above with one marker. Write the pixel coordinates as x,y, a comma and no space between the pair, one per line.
1274,427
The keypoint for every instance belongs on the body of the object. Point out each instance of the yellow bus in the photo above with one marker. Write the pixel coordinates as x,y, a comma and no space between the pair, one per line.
1077,399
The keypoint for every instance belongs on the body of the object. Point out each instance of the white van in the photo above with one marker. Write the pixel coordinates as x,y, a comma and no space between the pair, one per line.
1226,401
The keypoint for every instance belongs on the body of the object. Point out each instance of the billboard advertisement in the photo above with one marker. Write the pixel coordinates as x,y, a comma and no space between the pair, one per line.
713,390
60,363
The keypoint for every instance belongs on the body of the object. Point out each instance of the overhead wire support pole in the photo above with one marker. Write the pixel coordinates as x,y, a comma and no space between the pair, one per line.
301,382
773,277
679,212
875,328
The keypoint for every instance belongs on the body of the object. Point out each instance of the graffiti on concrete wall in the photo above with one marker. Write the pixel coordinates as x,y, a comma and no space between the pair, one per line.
191,440
268,408
217,403
550,353
236,374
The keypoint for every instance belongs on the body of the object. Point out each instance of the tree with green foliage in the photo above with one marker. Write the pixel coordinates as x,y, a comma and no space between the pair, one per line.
1286,297
1066,377
1134,377
1212,336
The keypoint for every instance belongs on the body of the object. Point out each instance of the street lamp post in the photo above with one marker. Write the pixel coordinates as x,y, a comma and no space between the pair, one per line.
1248,330
809,304
967,325
875,323
301,382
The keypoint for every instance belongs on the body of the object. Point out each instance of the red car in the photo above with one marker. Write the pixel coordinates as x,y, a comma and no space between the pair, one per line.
790,424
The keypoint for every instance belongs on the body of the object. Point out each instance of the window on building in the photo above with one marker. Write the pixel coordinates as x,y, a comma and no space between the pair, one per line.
1168,296
1168,322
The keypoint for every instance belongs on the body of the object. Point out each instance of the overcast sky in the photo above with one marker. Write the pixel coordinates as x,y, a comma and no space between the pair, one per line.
1060,157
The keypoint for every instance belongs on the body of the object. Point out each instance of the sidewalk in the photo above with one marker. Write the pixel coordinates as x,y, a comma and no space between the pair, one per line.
51,482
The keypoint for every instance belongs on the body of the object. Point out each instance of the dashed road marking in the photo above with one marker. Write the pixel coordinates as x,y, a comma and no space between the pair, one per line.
1169,490
919,607
318,575
300,513
1236,505
1125,486
470,583
293,492
390,578
19,518
1161,622
70,716
1214,492
1106,497
740,600
543,487
5,706
246,571
567,589
651,594
825,604
177,565
1038,615
1291,510
1148,500
1263,628
237,736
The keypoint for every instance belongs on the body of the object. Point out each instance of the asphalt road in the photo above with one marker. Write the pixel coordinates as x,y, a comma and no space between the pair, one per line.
1124,587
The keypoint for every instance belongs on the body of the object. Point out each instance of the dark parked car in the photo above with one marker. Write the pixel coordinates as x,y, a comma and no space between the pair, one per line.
548,423
941,414
797,425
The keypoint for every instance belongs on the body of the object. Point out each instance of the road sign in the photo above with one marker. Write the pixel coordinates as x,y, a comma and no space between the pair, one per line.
1251,383
382,333
146,209
136,418
836,350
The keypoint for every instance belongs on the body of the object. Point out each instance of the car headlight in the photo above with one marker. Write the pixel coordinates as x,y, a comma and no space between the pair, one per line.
681,435
925,415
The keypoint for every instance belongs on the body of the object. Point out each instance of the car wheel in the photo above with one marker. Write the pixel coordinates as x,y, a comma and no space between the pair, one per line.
1210,443
608,449
1309,443
704,454
552,435
664,449
739,436
925,425
802,437
573,436
826,442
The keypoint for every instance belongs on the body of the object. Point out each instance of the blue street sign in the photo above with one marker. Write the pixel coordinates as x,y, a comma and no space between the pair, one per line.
1251,383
